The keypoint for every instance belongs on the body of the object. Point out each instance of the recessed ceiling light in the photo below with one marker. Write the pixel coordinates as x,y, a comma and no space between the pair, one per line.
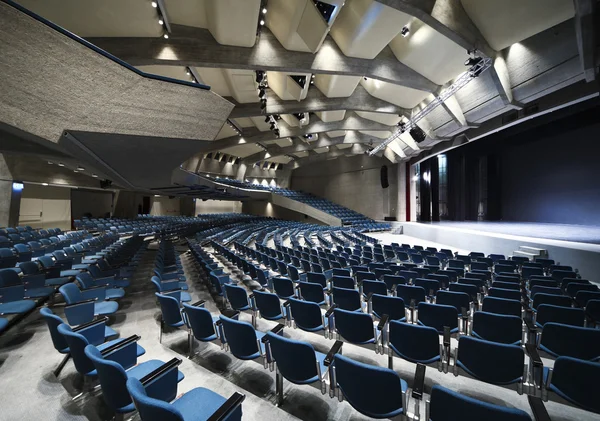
95,175
60,164
80,168
50,163
262,22
161,22
405,31
264,10
154,4
157,195
44,184
166,36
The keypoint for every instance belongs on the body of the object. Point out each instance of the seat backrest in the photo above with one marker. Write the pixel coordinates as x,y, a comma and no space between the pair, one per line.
574,288
312,292
410,293
151,409
502,306
375,287
85,279
475,355
414,343
438,316
446,405
170,310
497,327
241,338
306,315
268,304
53,321
343,282
70,293
382,399
347,299
236,296
565,315
113,379
317,278
471,290
557,300
582,297
9,277
459,300
200,321
385,304
391,280
544,290
571,341
295,360
284,288
77,344
509,294
354,326
575,378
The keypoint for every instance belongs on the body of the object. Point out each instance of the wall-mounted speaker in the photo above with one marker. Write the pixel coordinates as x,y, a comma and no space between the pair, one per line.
384,177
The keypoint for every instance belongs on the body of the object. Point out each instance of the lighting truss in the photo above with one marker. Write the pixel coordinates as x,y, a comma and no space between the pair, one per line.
473,72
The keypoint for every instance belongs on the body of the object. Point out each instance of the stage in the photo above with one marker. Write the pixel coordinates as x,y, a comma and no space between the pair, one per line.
574,245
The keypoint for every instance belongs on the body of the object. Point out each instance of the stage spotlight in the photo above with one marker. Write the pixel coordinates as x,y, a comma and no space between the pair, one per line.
263,105
267,119
264,11
405,31
154,4
260,75
276,131
166,36
261,93
160,22
262,22
473,61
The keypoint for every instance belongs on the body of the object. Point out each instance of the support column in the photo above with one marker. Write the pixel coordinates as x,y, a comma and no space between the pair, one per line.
10,198
402,203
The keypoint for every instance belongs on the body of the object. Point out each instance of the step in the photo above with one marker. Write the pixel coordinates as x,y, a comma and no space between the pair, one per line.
526,254
534,250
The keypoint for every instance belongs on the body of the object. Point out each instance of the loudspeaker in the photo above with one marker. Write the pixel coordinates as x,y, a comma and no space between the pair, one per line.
384,177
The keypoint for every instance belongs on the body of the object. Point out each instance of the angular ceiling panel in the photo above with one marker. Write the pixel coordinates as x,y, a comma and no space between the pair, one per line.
284,142
187,12
336,86
430,53
506,22
244,122
106,18
215,79
282,159
322,150
344,145
260,124
399,95
336,133
286,88
383,118
377,134
328,116
233,22
365,27
243,150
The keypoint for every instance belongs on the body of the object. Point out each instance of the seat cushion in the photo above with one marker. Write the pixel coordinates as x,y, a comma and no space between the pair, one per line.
148,367
57,281
69,272
183,286
105,307
199,404
3,324
17,307
112,293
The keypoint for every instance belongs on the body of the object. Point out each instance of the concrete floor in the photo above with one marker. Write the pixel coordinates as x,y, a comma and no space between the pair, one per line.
29,390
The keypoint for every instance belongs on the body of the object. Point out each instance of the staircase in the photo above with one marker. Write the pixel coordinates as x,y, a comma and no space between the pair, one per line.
531,252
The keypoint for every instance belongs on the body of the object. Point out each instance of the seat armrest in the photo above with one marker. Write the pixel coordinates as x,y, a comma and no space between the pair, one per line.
277,330
383,322
369,297
153,375
419,382
537,366
91,300
199,303
120,344
336,348
90,324
537,407
234,402
329,312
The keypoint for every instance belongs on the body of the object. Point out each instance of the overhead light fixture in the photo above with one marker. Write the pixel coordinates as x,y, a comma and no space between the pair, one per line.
50,163
405,31
264,11
262,22
154,4
472,61
60,164
267,119
365,78
161,22
261,93
157,195
166,36
16,186
80,168
95,175
44,184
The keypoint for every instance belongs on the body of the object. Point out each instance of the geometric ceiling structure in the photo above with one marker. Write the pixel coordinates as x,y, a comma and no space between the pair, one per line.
340,77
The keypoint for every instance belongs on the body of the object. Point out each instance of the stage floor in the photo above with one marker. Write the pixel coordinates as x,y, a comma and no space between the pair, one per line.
575,233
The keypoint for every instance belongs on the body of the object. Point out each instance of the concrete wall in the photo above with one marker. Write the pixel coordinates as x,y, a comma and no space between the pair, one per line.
263,208
163,206
94,202
353,182
45,207
217,206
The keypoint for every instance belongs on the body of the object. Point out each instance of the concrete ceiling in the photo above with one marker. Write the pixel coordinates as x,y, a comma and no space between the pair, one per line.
364,73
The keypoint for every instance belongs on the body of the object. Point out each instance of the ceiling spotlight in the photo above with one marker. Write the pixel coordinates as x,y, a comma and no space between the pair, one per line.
262,22
44,184
50,163
267,119
312,82
272,126
166,36
276,131
365,78
261,93
260,75
80,168
95,175
188,73
405,31
60,164
472,61
161,22
264,10
154,4
312,77
263,105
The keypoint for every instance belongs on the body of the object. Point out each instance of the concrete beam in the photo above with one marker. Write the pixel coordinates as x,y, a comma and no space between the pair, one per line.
189,46
311,159
585,31
360,100
499,73
447,17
